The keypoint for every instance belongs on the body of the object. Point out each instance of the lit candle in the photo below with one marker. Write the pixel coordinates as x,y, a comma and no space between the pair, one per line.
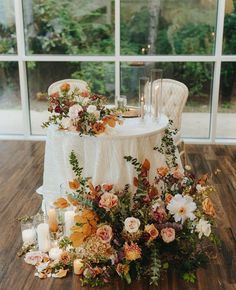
29,236
142,107
43,237
52,220
55,253
78,266
69,222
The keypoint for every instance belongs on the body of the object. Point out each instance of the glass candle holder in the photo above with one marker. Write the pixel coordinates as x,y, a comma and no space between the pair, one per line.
156,91
43,233
28,232
143,95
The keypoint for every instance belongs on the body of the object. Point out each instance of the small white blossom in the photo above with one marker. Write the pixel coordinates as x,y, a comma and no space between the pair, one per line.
203,228
91,109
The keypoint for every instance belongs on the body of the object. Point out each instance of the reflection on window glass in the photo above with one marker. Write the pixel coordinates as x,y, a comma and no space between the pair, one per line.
7,27
168,27
69,26
229,42
11,121
99,76
197,76
226,117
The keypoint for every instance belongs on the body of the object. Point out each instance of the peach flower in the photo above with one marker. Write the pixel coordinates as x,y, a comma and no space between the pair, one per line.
152,231
65,87
122,269
168,235
105,233
108,200
178,174
99,127
132,252
208,207
168,197
162,171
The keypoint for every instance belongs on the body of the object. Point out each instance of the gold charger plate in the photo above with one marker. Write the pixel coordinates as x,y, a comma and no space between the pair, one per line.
132,112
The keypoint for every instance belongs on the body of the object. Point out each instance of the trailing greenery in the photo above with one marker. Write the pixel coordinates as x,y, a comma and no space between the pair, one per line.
168,147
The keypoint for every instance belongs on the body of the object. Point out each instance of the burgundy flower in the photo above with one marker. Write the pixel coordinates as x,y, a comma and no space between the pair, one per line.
58,109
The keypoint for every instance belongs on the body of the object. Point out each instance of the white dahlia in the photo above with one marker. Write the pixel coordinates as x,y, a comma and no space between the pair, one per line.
182,207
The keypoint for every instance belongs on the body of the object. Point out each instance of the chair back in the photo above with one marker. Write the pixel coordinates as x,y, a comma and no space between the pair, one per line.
173,98
74,83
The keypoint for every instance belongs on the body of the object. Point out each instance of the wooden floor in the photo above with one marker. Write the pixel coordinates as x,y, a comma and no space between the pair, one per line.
21,173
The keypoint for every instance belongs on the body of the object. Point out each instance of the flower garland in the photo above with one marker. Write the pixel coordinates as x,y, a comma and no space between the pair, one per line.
80,111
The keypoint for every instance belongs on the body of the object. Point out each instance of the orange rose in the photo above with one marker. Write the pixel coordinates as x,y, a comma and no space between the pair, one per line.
98,128
107,187
208,207
132,252
162,171
65,87
168,197
84,94
152,231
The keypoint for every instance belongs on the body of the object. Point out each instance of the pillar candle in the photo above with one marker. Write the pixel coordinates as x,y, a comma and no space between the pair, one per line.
52,220
69,222
78,266
43,237
29,236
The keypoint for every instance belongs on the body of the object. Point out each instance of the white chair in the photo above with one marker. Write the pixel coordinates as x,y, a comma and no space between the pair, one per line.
74,83
173,99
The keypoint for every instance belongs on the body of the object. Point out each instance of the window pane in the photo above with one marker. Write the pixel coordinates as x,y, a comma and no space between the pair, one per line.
168,27
226,117
11,121
7,27
196,76
99,76
229,43
69,27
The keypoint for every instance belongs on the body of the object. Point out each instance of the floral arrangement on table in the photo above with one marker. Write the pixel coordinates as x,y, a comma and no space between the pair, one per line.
80,110
137,231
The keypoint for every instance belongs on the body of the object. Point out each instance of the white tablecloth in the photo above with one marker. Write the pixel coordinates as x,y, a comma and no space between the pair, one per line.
102,157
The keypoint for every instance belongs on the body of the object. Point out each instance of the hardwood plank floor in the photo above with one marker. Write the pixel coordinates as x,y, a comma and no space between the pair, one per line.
21,173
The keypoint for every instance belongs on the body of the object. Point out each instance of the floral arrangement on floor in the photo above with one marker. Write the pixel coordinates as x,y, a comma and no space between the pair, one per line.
80,110
135,233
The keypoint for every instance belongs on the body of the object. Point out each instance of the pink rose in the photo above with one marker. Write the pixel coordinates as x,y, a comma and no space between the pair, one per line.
108,200
178,174
74,111
168,235
105,233
34,257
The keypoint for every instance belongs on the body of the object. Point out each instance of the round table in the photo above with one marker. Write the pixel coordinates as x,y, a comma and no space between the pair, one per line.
102,156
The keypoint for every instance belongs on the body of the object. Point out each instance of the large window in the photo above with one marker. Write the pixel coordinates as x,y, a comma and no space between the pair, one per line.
111,44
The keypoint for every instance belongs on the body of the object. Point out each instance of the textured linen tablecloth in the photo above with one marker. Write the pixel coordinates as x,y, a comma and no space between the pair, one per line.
102,157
